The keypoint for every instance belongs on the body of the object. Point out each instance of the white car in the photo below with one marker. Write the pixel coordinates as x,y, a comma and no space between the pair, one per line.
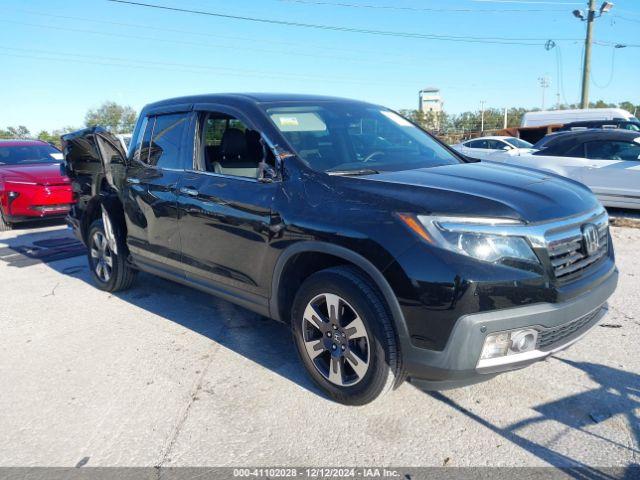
484,147
607,161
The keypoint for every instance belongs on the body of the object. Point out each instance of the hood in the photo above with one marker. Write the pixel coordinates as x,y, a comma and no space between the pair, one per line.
40,173
477,189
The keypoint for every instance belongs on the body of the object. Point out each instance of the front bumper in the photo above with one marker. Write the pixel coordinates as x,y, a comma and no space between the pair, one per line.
28,202
457,364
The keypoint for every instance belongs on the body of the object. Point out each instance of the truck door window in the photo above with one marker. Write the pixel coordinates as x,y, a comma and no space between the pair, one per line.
164,149
608,150
577,151
230,147
136,142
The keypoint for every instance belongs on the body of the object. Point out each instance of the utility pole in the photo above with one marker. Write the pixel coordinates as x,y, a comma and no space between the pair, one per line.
482,102
586,70
504,125
544,83
590,19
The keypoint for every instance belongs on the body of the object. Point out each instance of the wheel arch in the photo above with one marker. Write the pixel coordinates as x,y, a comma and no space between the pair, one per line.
279,303
115,210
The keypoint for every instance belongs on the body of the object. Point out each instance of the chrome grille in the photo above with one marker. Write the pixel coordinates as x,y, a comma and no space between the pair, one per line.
549,337
567,252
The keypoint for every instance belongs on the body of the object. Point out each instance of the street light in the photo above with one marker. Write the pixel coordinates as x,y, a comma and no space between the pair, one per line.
605,7
590,19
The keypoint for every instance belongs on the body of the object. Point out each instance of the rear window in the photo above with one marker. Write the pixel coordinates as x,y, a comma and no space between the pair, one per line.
25,154
161,140
516,142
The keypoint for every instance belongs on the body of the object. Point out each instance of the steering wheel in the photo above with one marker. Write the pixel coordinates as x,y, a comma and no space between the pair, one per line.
371,156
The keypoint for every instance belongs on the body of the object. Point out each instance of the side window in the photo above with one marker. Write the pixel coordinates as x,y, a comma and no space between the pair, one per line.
229,147
607,150
136,143
477,144
495,145
143,155
577,151
164,149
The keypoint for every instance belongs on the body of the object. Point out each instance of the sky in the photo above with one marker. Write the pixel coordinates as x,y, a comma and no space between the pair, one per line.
61,57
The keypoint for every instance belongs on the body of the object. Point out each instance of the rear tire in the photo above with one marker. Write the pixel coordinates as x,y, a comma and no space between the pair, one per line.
110,271
345,336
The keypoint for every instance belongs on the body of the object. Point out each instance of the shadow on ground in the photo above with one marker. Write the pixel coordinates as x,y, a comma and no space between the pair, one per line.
261,340
269,344
617,393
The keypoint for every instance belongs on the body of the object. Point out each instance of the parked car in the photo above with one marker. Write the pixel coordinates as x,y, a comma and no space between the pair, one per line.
604,124
484,147
551,137
562,117
607,161
31,183
387,253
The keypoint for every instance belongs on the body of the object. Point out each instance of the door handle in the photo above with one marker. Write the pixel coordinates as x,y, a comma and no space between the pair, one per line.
133,181
192,192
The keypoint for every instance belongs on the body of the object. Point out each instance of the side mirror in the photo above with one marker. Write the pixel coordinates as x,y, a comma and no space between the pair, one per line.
506,148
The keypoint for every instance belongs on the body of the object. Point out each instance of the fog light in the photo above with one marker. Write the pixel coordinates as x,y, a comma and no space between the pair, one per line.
523,340
501,344
495,345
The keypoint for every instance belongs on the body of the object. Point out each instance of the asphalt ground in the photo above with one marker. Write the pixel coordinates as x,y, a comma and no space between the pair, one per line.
162,375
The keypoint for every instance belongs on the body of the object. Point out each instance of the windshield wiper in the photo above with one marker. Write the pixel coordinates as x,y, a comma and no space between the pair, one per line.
356,171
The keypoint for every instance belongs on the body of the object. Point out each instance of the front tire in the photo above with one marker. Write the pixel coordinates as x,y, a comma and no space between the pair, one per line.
109,270
345,336
4,225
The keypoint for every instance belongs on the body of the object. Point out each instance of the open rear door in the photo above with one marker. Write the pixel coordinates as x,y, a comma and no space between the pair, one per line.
93,156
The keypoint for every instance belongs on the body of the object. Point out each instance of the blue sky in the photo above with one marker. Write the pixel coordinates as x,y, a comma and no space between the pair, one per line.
61,57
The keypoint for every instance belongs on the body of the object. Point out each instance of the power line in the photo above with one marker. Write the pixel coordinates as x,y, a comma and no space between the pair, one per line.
626,19
92,59
561,73
177,67
613,65
377,53
452,38
211,35
203,45
419,9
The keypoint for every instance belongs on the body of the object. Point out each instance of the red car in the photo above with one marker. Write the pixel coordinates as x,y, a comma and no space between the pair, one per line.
31,183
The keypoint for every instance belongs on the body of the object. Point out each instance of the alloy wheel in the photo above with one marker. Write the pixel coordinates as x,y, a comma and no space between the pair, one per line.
101,256
336,340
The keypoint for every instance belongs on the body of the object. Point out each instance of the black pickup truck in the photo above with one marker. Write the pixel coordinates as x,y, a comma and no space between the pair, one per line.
389,254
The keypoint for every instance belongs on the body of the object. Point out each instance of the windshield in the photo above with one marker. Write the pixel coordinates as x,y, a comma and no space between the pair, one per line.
343,137
516,142
24,154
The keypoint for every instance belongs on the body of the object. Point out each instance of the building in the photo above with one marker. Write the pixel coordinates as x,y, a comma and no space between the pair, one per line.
430,100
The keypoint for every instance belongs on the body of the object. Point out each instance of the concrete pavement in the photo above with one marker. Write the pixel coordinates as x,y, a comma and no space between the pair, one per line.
165,375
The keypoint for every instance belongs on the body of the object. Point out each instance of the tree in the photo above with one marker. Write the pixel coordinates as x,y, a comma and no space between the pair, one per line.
115,118
54,136
15,132
629,107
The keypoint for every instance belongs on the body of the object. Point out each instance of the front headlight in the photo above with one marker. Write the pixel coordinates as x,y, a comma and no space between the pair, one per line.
465,236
